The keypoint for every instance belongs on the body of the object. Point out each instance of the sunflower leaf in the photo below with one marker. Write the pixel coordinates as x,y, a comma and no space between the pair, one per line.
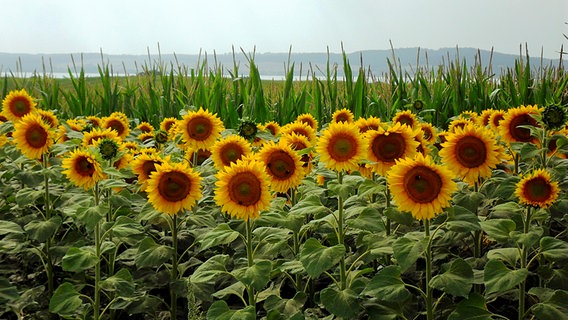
42,230
555,307
342,303
79,259
387,285
499,278
202,280
317,258
65,300
256,276
9,227
151,254
554,249
457,280
472,308
219,310
498,229
221,234
407,250
7,291
462,220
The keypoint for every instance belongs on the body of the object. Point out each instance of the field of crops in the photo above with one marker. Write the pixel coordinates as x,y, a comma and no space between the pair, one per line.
192,193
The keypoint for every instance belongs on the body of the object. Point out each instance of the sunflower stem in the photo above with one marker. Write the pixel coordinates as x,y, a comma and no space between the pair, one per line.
428,254
388,222
49,263
341,234
522,285
174,271
250,260
97,299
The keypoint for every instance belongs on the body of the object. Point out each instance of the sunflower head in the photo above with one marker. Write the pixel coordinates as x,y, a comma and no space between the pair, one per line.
471,152
406,117
32,136
366,124
343,115
554,117
300,143
17,104
341,146
283,165
173,187
90,137
145,127
108,148
308,119
49,118
513,127
386,146
168,124
242,189
118,122
272,127
83,169
537,189
420,186
161,136
200,129
229,150
418,105
247,129
299,128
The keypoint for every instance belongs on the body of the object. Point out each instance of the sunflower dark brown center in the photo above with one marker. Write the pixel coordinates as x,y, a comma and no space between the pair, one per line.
281,165
471,152
116,125
20,107
537,190
422,184
199,128
496,119
245,188
231,153
522,134
342,147
388,148
342,117
427,133
84,166
174,186
36,136
406,119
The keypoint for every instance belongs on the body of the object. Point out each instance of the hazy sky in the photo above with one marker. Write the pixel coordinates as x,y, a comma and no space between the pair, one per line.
133,26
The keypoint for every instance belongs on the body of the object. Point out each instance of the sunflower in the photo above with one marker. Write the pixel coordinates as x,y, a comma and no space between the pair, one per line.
76,124
145,137
537,189
308,119
385,146
420,186
272,127
94,121
300,143
145,127
495,119
471,153
82,169
429,132
283,165
173,187
366,124
515,117
229,150
200,156
469,115
200,129
144,164
242,189
32,136
459,122
341,146
17,104
168,124
406,117
343,115
485,117
300,128
48,117
118,122
89,138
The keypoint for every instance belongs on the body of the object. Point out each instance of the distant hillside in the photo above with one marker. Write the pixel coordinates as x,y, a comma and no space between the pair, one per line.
269,64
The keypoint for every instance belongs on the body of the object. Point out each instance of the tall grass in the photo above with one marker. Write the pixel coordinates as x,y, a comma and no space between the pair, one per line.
161,89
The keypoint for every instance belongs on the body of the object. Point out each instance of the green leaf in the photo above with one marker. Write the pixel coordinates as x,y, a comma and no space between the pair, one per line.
309,206
509,255
8,292
367,220
151,254
498,229
462,220
387,285
219,310
256,276
553,249
404,218
317,258
456,281
127,230
530,238
90,216
121,283
41,230
342,303
65,300
222,234
203,278
279,308
469,200
555,307
237,289
271,235
472,308
9,227
28,196
499,278
407,251
79,259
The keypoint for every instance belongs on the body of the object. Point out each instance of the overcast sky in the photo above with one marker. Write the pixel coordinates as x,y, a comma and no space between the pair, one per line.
134,26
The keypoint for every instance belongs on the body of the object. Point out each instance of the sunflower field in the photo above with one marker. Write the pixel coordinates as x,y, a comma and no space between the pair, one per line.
438,194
